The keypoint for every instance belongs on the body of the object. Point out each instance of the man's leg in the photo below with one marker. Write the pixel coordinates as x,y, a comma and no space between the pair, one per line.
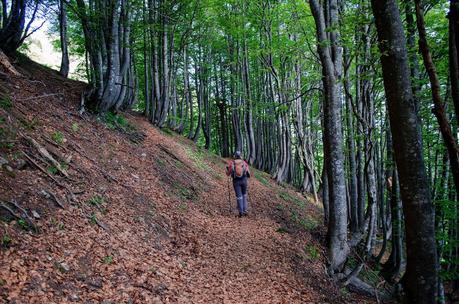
239,196
244,196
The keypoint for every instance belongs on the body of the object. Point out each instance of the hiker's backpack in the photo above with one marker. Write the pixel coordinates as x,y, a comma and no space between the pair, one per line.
239,168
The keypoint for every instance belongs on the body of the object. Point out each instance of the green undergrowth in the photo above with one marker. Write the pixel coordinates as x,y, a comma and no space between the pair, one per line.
294,208
288,197
116,121
184,192
5,102
262,177
312,252
167,132
198,156
119,123
367,274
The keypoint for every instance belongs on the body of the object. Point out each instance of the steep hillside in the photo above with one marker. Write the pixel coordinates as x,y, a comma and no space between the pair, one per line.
112,210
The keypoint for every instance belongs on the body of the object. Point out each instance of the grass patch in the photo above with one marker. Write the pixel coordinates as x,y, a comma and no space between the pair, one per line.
107,260
308,224
197,156
179,164
29,125
7,145
96,201
53,169
167,131
183,207
58,225
5,103
259,176
58,137
282,230
286,196
312,252
161,162
75,127
6,241
23,224
183,193
116,122
93,219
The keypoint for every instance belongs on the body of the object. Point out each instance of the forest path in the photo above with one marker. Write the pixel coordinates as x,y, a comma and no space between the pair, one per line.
148,220
246,261
235,260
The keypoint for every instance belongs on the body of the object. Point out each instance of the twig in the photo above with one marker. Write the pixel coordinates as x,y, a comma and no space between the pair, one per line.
37,81
24,212
42,150
49,194
44,171
25,216
4,206
41,96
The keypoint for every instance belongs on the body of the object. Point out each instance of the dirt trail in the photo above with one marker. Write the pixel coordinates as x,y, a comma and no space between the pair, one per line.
148,221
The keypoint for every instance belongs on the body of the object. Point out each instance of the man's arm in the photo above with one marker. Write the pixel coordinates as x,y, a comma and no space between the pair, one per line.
248,169
229,168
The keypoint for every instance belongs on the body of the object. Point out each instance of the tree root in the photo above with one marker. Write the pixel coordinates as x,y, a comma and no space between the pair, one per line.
44,171
50,195
43,152
22,216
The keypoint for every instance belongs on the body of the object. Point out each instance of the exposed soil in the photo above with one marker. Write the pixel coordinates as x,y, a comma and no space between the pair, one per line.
144,221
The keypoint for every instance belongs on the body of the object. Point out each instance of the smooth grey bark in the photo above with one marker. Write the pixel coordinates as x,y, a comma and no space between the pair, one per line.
420,279
111,84
331,58
64,69
199,96
353,194
304,138
248,107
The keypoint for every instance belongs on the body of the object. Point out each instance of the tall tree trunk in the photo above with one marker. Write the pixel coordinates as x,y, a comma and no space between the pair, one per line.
353,195
64,70
331,59
420,279
248,102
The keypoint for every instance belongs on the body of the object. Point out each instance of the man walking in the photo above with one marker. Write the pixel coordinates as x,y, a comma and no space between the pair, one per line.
238,169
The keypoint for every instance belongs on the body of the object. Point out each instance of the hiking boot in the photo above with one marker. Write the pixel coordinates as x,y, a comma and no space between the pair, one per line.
245,214
241,214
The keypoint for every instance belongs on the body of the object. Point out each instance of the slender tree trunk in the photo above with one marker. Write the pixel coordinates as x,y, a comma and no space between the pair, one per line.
64,70
331,59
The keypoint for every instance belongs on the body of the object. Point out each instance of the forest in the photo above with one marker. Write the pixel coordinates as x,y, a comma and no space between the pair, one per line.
354,103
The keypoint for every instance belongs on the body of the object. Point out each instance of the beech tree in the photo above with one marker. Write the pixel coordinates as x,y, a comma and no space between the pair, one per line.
16,19
420,279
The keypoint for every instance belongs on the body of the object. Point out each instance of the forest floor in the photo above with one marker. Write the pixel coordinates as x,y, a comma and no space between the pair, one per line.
144,215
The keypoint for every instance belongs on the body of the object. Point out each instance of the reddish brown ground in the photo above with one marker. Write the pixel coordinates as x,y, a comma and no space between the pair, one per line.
169,237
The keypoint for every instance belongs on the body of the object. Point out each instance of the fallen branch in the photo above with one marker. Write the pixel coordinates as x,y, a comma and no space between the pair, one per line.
42,150
38,81
5,62
4,206
49,194
41,96
24,215
44,171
